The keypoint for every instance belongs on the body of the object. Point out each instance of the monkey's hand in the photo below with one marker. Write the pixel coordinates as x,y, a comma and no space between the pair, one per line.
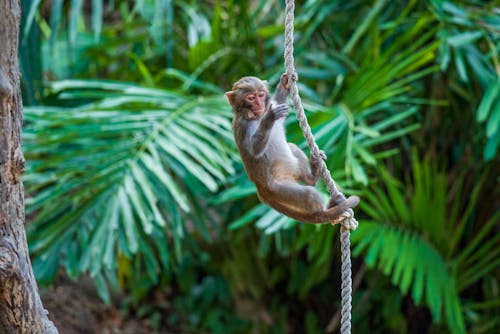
316,163
279,111
284,81
260,138
322,156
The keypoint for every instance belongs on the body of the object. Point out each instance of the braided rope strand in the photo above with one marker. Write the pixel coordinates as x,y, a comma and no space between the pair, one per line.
347,220
346,286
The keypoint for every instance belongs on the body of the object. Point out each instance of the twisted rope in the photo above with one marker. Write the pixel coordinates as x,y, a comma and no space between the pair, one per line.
347,220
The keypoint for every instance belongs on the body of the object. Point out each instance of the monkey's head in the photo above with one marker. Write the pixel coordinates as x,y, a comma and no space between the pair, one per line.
249,97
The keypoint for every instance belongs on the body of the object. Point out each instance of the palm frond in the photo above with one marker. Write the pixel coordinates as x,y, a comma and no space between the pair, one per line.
119,173
416,230
471,42
414,265
481,255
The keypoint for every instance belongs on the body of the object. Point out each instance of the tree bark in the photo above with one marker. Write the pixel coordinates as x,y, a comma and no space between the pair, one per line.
21,310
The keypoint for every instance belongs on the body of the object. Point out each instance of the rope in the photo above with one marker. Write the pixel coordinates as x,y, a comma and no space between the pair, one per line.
347,220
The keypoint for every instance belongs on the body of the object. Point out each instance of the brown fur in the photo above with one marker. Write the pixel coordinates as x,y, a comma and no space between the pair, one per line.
281,171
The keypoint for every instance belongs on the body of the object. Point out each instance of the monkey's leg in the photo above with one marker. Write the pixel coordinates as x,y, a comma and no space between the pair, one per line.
302,203
340,203
297,196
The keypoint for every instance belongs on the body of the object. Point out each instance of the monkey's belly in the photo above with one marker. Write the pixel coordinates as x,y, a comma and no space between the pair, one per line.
285,170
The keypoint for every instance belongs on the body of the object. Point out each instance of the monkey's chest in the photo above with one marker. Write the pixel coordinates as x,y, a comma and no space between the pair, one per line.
284,165
278,145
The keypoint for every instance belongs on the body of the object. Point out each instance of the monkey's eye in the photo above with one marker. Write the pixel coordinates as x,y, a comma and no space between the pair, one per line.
251,98
262,93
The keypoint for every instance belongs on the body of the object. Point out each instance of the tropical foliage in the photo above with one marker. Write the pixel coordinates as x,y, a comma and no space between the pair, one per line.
133,177
135,162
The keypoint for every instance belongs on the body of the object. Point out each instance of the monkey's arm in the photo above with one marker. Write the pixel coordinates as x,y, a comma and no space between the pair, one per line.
282,90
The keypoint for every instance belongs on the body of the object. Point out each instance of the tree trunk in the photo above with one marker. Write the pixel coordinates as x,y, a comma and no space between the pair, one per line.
21,310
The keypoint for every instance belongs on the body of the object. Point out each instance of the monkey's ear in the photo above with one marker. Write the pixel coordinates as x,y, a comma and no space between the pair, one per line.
230,97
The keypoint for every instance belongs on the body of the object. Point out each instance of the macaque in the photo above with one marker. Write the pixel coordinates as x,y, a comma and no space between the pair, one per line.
284,178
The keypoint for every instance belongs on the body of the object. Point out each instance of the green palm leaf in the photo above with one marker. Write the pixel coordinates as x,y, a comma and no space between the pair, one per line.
414,265
119,173
414,236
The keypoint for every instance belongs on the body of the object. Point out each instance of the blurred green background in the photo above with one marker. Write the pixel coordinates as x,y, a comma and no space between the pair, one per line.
133,177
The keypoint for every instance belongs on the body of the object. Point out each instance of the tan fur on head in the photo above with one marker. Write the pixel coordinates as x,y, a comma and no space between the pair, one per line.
250,83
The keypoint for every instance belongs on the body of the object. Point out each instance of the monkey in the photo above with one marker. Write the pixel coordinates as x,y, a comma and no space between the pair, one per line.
285,179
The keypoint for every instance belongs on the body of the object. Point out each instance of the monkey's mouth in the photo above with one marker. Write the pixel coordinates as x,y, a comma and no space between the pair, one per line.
253,114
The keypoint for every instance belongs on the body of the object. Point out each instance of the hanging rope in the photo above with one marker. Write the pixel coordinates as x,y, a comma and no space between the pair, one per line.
347,221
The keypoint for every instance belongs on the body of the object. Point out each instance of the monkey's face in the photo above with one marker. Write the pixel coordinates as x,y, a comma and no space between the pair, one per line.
249,97
255,103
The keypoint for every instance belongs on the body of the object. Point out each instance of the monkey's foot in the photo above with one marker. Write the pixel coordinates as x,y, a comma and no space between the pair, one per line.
322,156
342,217
348,203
